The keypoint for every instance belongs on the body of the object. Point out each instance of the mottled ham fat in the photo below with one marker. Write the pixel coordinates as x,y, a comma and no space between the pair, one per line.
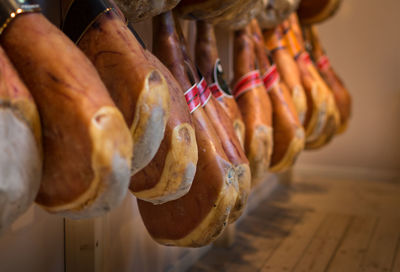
87,147
238,16
218,112
276,12
138,10
254,104
20,145
341,94
206,9
289,135
198,217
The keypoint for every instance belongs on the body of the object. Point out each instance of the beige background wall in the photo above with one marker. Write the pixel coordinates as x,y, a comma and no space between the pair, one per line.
363,43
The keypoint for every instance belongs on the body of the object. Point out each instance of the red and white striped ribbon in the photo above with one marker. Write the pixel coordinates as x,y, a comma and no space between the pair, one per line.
193,98
304,57
247,82
323,63
271,77
204,92
215,90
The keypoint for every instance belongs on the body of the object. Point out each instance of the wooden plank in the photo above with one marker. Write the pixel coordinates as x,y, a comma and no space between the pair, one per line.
292,247
324,244
80,245
355,243
383,245
396,260
256,239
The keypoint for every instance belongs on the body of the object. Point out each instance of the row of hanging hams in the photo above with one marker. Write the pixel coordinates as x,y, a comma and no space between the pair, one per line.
89,114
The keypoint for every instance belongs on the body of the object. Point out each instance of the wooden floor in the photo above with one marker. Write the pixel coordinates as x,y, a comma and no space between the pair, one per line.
317,224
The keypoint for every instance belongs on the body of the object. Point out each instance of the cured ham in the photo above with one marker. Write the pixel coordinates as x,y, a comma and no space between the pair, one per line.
87,146
220,120
210,66
289,71
288,134
341,94
316,11
142,88
254,104
198,217
20,145
170,174
138,89
331,124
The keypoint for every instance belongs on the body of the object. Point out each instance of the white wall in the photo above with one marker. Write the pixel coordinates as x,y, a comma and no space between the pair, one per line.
363,43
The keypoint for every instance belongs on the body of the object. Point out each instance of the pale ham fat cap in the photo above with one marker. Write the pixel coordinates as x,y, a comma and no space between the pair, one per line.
139,10
276,12
20,167
111,166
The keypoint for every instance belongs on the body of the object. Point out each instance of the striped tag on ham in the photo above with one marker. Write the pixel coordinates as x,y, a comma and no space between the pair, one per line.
247,82
323,63
271,77
193,98
216,92
304,57
204,92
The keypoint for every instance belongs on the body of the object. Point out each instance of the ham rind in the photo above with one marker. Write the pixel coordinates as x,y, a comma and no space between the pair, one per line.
197,218
87,146
20,145
254,104
340,92
289,135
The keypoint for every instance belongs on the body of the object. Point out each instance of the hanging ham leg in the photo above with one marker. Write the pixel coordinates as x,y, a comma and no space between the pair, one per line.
254,104
289,72
20,145
87,146
289,135
170,174
197,218
341,94
294,38
210,66
138,89
226,133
